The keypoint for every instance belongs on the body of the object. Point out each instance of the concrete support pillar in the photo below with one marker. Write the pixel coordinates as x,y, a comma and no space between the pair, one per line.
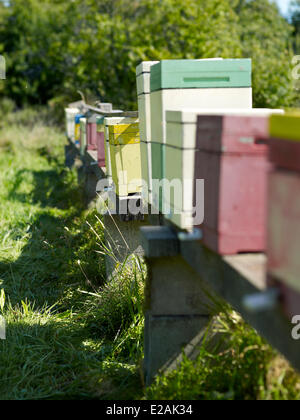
178,307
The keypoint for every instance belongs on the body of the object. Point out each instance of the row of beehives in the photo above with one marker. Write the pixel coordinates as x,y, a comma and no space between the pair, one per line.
196,122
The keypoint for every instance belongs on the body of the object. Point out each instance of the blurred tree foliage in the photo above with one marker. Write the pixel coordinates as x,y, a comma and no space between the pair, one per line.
54,47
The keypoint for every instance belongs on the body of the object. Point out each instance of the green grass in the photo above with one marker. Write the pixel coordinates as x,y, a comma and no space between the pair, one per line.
70,333
241,367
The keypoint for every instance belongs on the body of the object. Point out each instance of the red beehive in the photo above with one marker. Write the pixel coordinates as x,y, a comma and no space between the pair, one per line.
284,223
233,161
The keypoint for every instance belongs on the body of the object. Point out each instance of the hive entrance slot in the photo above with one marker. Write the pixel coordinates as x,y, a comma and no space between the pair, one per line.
205,79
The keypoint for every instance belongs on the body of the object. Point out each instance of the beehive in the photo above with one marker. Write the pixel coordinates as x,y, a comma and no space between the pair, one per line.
233,161
178,84
77,129
83,135
107,121
100,141
124,154
70,122
92,131
183,147
284,209
143,91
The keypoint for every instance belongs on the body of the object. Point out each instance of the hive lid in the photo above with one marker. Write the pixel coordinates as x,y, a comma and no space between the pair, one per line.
187,74
246,134
131,114
182,127
286,126
145,67
119,120
190,115
125,128
101,112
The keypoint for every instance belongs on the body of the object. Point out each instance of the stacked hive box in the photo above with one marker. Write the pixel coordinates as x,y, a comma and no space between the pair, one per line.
284,209
107,122
233,161
92,138
100,142
77,129
92,131
177,84
70,122
143,91
83,135
183,149
123,153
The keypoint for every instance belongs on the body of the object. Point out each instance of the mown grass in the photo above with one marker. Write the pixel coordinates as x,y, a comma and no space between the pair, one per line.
70,333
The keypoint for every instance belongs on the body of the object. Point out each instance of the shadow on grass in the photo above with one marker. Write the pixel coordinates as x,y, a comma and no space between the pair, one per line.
62,355
51,361
59,237
51,189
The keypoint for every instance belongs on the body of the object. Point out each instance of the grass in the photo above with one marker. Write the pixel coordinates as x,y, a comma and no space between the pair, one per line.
70,333
241,367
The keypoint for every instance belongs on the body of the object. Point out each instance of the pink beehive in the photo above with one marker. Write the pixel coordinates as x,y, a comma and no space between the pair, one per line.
92,132
233,161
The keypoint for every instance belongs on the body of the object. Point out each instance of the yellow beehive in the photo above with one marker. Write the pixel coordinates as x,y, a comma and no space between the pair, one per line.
125,155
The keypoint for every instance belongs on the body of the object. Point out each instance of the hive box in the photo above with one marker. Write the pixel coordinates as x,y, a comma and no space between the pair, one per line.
124,154
77,129
70,122
284,210
83,135
143,91
125,158
178,84
182,149
108,121
100,141
233,161
92,131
